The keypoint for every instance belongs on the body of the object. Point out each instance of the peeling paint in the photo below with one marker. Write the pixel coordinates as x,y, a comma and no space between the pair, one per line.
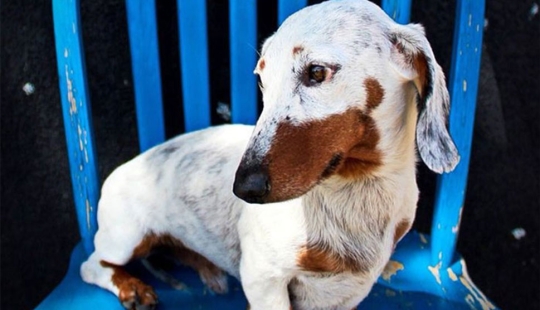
435,272
455,229
71,98
477,296
79,134
391,269
452,275
390,293
88,211
470,301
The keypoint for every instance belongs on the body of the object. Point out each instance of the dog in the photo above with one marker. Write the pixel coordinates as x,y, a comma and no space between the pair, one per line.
306,207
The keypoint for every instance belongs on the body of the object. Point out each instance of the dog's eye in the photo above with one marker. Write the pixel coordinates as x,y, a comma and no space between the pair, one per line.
316,74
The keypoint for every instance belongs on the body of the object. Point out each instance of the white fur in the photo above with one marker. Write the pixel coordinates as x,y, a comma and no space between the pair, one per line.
184,186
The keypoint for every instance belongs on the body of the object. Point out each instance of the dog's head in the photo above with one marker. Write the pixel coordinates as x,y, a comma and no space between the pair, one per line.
344,88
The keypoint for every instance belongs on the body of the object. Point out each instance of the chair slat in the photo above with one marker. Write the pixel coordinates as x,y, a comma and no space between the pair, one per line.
288,7
77,116
142,28
243,44
399,10
194,63
463,82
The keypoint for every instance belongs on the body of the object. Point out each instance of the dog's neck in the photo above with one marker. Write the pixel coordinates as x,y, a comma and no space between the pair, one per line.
349,219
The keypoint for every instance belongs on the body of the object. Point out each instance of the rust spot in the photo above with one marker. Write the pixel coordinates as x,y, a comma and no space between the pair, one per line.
375,93
318,258
302,155
206,269
131,289
262,64
297,49
401,229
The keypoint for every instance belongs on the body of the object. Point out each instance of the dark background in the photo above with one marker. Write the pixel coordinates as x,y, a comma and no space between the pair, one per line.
38,224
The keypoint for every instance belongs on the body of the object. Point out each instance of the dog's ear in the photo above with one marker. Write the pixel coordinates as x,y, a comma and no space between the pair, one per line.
413,59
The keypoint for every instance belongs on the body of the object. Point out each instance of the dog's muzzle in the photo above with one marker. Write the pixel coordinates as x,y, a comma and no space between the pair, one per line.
251,184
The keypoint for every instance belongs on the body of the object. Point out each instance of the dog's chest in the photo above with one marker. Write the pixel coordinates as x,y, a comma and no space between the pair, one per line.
328,291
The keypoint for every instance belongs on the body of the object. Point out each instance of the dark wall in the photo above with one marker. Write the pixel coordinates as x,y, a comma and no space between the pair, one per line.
38,225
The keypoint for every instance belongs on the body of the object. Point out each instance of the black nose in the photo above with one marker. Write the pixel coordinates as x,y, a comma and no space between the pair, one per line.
251,186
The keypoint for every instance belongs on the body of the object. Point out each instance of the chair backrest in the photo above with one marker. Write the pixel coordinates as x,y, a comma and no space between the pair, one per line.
192,15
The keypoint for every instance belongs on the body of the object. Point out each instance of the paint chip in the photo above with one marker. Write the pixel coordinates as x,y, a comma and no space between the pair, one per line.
29,88
391,269
452,275
435,272
519,233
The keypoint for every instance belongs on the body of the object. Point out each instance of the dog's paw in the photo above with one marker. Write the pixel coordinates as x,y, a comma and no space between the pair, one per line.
216,281
136,295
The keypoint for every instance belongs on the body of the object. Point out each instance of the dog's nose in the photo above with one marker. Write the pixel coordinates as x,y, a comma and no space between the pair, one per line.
252,187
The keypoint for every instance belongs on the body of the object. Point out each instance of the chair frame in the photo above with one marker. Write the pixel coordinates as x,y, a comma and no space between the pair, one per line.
427,267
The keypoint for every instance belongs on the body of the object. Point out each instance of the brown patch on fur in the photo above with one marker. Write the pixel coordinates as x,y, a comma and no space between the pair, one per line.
364,157
375,93
297,161
420,64
297,49
319,259
262,64
206,269
131,291
401,229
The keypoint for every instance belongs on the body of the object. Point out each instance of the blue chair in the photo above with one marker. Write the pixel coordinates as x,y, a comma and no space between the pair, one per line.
424,273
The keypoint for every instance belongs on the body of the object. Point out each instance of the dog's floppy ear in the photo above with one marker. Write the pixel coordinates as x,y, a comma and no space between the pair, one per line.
413,59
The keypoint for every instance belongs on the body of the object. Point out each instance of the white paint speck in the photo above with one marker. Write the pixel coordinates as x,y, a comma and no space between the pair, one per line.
486,24
224,111
66,53
29,88
464,85
470,20
533,11
519,233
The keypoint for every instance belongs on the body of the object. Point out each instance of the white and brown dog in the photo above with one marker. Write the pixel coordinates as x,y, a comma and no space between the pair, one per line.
306,207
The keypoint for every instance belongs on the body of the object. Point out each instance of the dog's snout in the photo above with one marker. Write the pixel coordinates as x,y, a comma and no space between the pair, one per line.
251,185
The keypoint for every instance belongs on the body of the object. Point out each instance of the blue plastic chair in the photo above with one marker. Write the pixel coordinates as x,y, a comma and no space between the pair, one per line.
424,273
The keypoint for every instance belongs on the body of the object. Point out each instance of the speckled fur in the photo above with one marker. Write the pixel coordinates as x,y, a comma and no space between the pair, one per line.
183,188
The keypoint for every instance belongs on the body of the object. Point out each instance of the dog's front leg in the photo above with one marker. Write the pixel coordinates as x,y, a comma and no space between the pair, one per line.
265,286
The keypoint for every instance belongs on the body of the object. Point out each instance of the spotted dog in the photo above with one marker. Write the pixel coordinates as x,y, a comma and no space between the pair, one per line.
305,207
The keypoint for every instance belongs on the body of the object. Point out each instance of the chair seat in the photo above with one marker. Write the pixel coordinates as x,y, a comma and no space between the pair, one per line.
74,294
